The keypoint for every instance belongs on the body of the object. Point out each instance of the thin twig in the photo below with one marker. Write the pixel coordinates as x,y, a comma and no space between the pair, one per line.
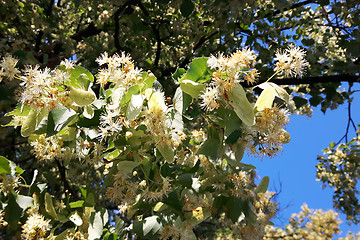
64,180
349,123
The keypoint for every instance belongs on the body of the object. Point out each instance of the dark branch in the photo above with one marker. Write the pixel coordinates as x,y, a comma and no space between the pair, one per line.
117,25
300,4
156,31
202,40
350,122
49,9
64,180
91,30
310,80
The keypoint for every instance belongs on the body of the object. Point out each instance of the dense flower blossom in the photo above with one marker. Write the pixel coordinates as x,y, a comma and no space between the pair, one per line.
8,67
35,228
291,62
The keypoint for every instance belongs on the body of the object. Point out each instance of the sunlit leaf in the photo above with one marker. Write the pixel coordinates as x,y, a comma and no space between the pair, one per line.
265,99
135,106
241,105
49,207
166,152
76,219
198,71
192,88
263,185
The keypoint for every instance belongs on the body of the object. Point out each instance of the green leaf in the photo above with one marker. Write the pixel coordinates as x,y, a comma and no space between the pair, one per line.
24,201
76,219
181,100
160,206
192,88
148,227
127,96
232,122
185,180
151,225
4,165
135,105
29,125
77,204
88,123
280,92
173,201
58,119
13,211
20,110
354,48
119,225
233,137
241,105
299,101
263,185
80,77
308,42
239,164
148,78
187,7
177,75
198,71
49,207
96,226
234,209
166,152
315,100
265,99
209,147
239,150
127,166
197,215
88,112
90,200
82,97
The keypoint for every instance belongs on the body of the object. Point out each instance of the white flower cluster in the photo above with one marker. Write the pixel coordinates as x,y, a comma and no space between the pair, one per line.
291,62
35,227
8,67
228,70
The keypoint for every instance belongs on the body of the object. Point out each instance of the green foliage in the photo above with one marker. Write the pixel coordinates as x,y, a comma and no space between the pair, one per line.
102,136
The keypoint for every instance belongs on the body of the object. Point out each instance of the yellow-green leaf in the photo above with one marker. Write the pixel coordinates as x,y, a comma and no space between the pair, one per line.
82,97
160,206
241,105
49,207
29,124
192,88
166,152
265,99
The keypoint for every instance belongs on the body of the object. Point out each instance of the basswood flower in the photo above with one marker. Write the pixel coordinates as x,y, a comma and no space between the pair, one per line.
35,227
291,62
8,67
209,97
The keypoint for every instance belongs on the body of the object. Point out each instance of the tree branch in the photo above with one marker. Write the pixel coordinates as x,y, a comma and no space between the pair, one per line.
156,32
310,80
49,9
64,180
91,30
300,4
350,122
117,25
202,40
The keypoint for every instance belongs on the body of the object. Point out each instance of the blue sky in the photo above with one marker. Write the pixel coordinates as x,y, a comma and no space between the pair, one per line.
295,168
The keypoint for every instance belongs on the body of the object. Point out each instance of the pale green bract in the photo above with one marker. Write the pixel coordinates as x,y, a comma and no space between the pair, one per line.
241,105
